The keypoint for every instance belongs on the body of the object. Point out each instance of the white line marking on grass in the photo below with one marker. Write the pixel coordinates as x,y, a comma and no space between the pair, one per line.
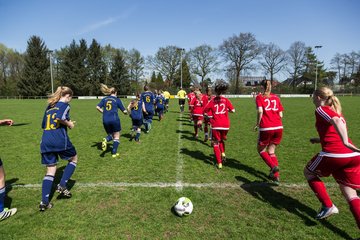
180,159
176,185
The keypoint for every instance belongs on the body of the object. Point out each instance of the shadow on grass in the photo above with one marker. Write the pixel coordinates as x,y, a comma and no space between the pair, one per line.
198,155
98,146
233,163
57,178
266,193
8,188
16,125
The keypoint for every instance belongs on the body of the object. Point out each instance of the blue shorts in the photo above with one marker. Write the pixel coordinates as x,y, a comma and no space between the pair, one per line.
149,115
111,127
51,158
136,123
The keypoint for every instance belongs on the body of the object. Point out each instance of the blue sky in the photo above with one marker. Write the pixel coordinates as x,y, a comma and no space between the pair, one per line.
149,24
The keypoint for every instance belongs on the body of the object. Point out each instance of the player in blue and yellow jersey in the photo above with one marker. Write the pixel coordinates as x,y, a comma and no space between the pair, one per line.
148,99
55,143
160,105
108,106
136,108
4,212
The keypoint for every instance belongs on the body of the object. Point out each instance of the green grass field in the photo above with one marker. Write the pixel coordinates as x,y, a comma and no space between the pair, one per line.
131,197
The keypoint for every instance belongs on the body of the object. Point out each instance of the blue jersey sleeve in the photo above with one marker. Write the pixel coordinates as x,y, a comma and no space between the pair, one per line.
101,103
120,105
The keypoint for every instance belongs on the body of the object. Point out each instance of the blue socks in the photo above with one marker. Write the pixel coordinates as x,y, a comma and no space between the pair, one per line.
46,188
115,146
137,136
2,198
108,138
68,172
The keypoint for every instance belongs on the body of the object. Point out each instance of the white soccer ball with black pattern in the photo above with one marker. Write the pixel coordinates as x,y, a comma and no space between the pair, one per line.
183,206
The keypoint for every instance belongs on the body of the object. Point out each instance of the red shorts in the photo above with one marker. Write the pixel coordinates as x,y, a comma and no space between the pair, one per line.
197,118
268,137
345,170
218,135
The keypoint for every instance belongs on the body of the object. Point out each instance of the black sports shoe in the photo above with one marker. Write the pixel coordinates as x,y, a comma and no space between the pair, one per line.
43,206
63,191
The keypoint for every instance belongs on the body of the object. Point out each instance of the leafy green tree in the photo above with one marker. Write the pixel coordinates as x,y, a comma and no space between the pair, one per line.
73,67
153,77
119,75
186,76
96,68
159,78
35,80
11,67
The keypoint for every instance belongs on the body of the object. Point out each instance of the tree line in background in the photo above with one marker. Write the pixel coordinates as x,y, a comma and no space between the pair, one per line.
83,67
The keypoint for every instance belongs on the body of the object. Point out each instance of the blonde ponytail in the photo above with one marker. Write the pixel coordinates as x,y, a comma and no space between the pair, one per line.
329,99
106,90
60,92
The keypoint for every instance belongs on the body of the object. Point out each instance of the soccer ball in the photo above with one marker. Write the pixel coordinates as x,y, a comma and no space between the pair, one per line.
183,206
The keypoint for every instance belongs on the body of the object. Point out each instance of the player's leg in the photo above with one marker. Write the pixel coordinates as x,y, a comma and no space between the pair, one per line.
318,187
353,199
137,136
50,160
116,143
72,158
4,212
275,170
216,147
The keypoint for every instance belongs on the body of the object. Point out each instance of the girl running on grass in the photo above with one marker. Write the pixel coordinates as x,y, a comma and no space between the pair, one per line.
56,143
269,124
217,111
108,106
135,109
339,157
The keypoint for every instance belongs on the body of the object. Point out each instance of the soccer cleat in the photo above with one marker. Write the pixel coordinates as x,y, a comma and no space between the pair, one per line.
63,191
273,171
116,155
223,157
219,166
275,181
327,212
43,206
6,213
104,144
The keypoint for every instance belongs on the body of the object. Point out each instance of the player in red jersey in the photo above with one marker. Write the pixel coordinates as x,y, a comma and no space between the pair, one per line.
269,124
217,111
206,98
190,96
338,156
197,110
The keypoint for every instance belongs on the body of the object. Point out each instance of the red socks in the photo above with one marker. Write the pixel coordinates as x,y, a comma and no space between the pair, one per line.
267,159
319,189
355,209
217,153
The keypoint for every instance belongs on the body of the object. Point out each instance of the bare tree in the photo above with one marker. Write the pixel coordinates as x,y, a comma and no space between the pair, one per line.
274,59
203,60
165,61
336,63
240,51
135,64
296,58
